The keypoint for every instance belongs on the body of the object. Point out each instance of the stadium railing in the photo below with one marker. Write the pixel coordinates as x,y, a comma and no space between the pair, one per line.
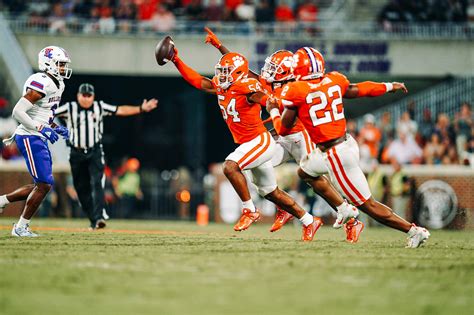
445,97
16,68
333,29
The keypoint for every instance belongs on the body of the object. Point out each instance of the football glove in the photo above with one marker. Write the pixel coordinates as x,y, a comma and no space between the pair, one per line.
62,131
49,133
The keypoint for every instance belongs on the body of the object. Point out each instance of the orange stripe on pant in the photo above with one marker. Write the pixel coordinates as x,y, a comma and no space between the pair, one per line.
307,141
262,139
338,178
358,194
266,135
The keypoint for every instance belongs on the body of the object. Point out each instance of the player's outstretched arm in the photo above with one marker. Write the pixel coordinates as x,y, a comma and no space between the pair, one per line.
373,89
130,110
213,40
191,76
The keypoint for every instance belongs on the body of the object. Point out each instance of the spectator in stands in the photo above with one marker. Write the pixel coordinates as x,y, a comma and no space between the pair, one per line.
284,13
404,150
406,125
426,126
264,12
352,128
386,128
93,25
444,129
146,9
463,125
451,157
127,188
125,14
214,11
307,12
57,20
245,11
370,135
106,19
468,156
195,11
434,150
391,13
399,189
163,20
83,9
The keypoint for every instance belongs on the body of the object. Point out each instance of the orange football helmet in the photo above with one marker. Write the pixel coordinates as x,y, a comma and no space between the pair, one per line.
277,67
308,64
230,68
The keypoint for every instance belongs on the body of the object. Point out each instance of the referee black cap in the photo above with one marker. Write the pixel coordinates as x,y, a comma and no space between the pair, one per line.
86,88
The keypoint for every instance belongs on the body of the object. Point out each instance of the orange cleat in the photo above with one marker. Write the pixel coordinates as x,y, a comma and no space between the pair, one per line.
282,217
353,230
310,230
248,217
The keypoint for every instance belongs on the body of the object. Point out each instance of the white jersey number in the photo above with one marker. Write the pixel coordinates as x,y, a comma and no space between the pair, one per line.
230,109
321,103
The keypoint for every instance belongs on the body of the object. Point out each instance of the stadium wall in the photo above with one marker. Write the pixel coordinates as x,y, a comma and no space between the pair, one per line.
134,55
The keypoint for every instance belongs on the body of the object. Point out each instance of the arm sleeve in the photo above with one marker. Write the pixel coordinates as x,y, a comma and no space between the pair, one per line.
189,74
109,110
369,88
19,113
61,111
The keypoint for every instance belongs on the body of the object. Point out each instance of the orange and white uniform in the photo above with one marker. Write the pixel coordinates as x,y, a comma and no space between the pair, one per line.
319,107
294,144
256,145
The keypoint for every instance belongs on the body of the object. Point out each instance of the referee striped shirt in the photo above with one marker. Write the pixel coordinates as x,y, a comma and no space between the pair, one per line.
85,125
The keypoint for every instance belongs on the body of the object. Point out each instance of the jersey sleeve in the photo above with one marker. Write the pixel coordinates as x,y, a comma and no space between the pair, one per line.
292,95
109,110
38,82
249,86
341,80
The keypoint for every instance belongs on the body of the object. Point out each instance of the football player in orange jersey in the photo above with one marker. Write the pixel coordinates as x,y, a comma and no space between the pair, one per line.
295,142
316,99
239,99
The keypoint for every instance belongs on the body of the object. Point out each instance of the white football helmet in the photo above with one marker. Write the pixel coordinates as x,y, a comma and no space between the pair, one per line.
50,60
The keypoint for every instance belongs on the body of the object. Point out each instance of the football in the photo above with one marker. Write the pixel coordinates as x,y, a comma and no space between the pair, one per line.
164,50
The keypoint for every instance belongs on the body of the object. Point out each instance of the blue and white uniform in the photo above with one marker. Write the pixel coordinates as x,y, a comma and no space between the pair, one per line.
32,144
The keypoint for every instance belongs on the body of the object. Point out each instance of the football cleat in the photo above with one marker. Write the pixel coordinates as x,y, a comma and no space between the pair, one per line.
23,231
100,224
248,217
353,230
345,215
417,237
310,230
282,217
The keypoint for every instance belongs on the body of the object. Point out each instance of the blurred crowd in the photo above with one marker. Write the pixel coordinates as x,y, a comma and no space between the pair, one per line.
424,11
426,140
158,15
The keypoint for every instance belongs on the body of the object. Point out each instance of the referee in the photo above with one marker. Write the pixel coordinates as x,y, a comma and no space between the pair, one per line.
85,123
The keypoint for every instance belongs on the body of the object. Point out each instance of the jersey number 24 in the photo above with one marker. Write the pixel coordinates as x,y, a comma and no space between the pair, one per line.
318,102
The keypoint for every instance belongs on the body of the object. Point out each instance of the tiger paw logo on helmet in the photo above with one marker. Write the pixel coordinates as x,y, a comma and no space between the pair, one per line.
231,68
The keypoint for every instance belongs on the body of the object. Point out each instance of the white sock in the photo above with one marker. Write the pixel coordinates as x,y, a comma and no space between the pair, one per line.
249,205
412,230
23,222
342,206
307,219
3,200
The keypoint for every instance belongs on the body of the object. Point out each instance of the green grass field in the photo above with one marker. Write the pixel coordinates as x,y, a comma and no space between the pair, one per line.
180,268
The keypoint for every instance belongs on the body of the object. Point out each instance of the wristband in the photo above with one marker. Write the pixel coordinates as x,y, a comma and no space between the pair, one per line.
388,86
275,112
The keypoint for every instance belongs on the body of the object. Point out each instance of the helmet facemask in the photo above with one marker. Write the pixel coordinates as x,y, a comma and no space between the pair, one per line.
224,75
272,70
